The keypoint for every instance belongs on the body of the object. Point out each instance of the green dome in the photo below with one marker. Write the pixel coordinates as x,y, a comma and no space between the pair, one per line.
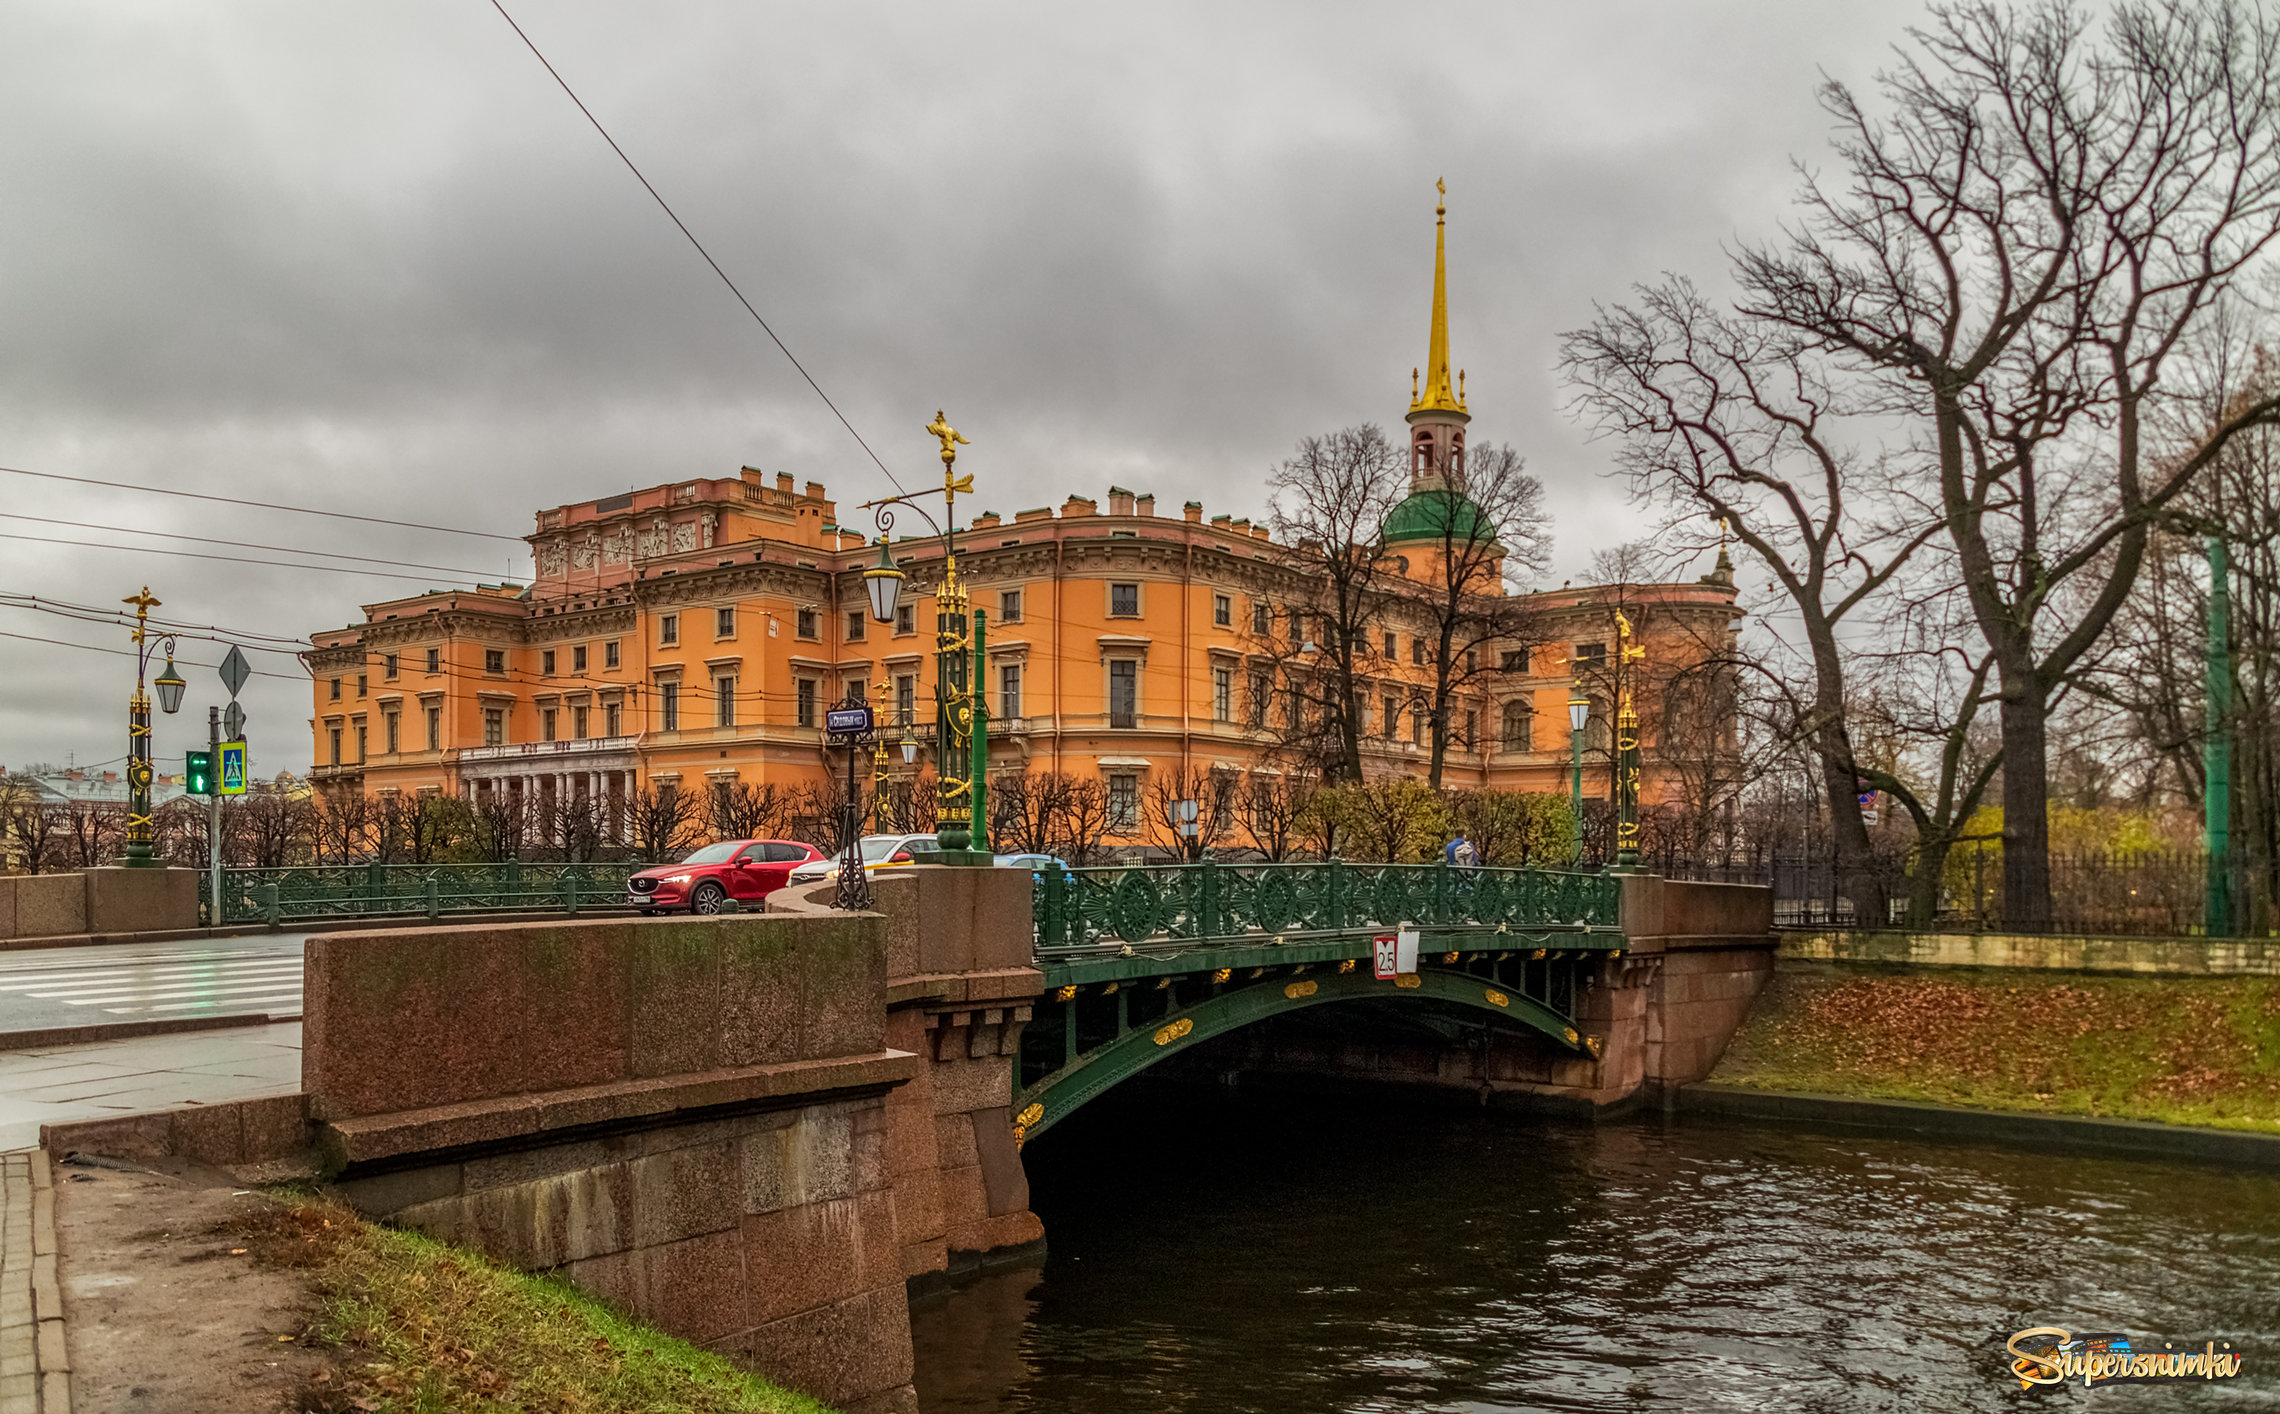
1437,515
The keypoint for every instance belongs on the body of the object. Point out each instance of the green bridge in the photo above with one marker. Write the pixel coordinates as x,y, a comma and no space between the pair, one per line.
1143,963
1140,962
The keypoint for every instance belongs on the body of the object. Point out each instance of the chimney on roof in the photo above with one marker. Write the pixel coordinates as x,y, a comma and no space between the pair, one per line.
986,519
784,482
1119,501
1146,505
1193,510
1079,506
815,490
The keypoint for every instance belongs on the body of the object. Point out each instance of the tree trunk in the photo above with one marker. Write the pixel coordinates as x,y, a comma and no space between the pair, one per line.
2026,796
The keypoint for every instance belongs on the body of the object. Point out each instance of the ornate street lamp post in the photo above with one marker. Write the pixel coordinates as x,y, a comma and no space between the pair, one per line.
961,737
139,854
1626,752
1579,717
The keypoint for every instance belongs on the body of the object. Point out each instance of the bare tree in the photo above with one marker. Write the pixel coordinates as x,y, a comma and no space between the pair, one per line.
1084,818
1270,805
344,826
1212,792
2024,238
32,823
663,822
94,832
1330,501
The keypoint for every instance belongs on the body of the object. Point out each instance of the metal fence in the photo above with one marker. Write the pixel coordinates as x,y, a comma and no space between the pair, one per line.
2136,893
303,894
1210,901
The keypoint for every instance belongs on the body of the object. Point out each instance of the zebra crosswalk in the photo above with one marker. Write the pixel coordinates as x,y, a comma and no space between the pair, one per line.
154,981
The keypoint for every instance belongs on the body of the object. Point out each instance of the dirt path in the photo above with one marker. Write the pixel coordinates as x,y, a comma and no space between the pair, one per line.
167,1312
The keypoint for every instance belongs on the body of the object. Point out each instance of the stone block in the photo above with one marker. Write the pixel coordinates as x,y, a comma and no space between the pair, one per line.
8,904
50,905
972,1084
411,1018
804,1257
698,1288
683,1193
963,1204
673,996
844,980
140,900
546,1222
954,1146
760,980
810,1159
1005,1185
547,1161
852,1350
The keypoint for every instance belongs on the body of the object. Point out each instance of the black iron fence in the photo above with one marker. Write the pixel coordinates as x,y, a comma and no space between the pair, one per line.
2142,893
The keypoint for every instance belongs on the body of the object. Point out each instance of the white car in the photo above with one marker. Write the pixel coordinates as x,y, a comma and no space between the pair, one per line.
879,852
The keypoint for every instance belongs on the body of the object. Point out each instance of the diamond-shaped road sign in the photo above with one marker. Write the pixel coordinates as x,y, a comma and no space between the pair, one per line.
235,671
233,721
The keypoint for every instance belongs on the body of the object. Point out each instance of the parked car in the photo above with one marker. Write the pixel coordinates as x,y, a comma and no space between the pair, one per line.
744,870
879,852
1035,863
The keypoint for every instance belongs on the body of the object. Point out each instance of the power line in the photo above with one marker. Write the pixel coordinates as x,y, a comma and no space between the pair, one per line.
240,544
180,628
233,559
258,505
129,652
676,220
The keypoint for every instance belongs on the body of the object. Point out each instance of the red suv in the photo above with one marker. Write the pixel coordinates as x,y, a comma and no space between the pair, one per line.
744,870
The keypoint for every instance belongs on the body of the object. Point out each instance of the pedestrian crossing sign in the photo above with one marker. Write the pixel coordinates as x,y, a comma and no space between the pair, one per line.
233,768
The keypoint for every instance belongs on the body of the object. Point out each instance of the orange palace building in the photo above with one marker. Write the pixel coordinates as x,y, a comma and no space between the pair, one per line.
692,635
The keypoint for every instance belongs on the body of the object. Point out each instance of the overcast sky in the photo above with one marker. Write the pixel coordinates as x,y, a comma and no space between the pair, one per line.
368,257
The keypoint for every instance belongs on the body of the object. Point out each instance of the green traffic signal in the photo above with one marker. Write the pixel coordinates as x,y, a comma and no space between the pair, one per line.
198,773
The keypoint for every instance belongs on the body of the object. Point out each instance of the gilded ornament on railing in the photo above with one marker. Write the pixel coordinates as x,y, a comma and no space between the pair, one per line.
1165,1035
1408,981
1299,989
1568,1034
1067,994
1496,998
1347,965
1449,956
1537,955
1110,989
1030,1115
1593,1044
1223,974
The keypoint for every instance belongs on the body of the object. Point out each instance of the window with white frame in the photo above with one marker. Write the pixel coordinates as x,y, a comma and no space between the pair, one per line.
1123,802
1222,694
724,700
1009,692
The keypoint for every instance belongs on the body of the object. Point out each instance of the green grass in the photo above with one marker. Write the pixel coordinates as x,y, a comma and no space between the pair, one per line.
418,1326
2184,1050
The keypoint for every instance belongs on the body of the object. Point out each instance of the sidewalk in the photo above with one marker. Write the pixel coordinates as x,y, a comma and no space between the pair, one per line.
35,1370
102,1079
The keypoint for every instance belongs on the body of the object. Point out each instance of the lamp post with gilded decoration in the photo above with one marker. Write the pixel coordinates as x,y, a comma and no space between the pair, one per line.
139,854
1626,750
960,736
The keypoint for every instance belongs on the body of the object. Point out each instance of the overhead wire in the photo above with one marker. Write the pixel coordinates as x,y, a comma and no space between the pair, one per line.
667,208
244,544
90,613
129,652
260,505
202,555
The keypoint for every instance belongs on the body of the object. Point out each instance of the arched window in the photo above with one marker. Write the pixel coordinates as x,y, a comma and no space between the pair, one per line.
1519,725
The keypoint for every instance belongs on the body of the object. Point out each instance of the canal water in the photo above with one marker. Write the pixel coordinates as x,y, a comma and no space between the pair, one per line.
1309,1256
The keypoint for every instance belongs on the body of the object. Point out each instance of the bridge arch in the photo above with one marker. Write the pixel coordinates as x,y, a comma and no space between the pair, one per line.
1061,1092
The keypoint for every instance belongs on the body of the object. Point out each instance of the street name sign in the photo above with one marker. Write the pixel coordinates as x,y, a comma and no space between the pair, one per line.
845,723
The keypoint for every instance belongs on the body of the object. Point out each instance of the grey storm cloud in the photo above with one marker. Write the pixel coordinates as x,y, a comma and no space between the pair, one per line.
368,257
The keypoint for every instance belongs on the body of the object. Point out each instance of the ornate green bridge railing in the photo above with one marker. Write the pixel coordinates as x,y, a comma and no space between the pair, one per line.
360,890
1137,906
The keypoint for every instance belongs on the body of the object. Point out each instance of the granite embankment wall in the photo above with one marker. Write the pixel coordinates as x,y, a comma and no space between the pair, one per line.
98,901
1695,957
705,1121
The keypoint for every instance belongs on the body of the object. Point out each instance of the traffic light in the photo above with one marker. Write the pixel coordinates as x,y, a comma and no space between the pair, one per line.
198,773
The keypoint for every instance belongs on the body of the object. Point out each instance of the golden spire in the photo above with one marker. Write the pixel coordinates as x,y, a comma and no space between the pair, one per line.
1439,394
